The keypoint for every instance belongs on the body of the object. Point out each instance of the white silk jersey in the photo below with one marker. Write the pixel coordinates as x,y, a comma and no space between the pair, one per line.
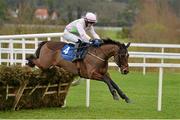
79,28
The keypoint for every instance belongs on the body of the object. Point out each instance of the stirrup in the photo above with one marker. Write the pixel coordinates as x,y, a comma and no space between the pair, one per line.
76,58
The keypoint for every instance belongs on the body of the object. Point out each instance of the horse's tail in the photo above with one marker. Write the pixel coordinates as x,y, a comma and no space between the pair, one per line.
39,48
31,57
30,61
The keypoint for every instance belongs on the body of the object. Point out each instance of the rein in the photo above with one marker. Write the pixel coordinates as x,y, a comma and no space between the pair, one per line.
96,56
92,53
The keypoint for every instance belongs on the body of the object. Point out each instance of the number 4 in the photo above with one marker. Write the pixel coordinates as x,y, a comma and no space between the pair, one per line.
66,50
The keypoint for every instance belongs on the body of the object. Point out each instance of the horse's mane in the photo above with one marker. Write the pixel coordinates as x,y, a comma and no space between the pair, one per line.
110,41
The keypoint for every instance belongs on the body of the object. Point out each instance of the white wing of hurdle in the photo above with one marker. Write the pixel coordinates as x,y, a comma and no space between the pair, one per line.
34,39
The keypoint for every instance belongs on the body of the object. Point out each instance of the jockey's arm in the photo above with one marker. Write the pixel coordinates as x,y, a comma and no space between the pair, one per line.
94,34
82,33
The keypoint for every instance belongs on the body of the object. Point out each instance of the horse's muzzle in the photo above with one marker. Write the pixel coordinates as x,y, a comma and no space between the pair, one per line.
125,70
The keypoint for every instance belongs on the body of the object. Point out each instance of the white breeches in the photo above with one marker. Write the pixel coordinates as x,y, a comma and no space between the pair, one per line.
70,37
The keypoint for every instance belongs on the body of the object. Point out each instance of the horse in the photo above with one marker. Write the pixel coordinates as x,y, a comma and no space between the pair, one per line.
94,66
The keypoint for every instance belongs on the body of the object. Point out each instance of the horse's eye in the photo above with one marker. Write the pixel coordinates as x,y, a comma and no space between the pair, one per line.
122,55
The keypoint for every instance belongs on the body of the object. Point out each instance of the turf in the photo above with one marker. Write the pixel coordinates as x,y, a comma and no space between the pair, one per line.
142,90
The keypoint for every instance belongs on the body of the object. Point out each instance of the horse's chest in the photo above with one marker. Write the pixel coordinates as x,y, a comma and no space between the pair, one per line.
101,68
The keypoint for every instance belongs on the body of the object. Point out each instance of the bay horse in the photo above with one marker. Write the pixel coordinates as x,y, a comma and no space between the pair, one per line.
94,66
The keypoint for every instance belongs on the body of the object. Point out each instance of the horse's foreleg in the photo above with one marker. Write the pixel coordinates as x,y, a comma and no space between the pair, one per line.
111,88
120,92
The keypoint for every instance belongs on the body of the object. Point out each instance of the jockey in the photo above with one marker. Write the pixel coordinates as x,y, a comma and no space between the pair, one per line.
76,31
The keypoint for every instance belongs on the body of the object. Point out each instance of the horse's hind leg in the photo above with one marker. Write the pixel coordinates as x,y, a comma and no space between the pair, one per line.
37,63
32,61
70,67
47,58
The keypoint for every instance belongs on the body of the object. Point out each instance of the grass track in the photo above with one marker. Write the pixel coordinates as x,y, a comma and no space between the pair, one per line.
141,89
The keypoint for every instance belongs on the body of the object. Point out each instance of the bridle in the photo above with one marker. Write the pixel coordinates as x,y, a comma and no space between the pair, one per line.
119,56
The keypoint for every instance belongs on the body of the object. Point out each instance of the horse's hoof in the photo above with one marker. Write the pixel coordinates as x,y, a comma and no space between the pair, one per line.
116,97
128,100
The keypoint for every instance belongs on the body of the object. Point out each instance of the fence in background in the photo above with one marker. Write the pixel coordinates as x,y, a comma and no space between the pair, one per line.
15,48
12,46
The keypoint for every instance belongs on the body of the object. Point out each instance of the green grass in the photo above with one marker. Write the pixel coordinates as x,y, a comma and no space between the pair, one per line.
141,89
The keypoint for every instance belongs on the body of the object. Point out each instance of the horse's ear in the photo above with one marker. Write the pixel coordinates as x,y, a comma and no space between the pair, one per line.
128,45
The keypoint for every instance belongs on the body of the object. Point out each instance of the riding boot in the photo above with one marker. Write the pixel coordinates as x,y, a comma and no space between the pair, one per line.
77,51
84,53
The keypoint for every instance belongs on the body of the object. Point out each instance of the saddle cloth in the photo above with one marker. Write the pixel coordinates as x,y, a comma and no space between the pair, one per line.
68,52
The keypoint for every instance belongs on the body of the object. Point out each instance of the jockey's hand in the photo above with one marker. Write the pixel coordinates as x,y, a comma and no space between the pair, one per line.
96,42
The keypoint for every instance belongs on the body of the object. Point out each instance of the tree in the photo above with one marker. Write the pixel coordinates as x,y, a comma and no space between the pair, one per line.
176,6
155,23
2,10
26,11
74,9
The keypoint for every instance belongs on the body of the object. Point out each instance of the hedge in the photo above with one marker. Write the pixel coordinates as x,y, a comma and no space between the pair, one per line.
23,87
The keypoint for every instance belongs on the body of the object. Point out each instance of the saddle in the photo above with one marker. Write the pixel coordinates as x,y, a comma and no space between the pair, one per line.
70,52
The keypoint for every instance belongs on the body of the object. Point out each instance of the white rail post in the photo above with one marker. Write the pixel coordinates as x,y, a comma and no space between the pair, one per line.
144,67
11,51
160,88
160,83
49,39
15,58
23,52
61,38
0,53
8,56
87,92
162,51
36,43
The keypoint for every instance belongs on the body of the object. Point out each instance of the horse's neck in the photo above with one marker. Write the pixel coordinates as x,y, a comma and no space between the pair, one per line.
109,50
